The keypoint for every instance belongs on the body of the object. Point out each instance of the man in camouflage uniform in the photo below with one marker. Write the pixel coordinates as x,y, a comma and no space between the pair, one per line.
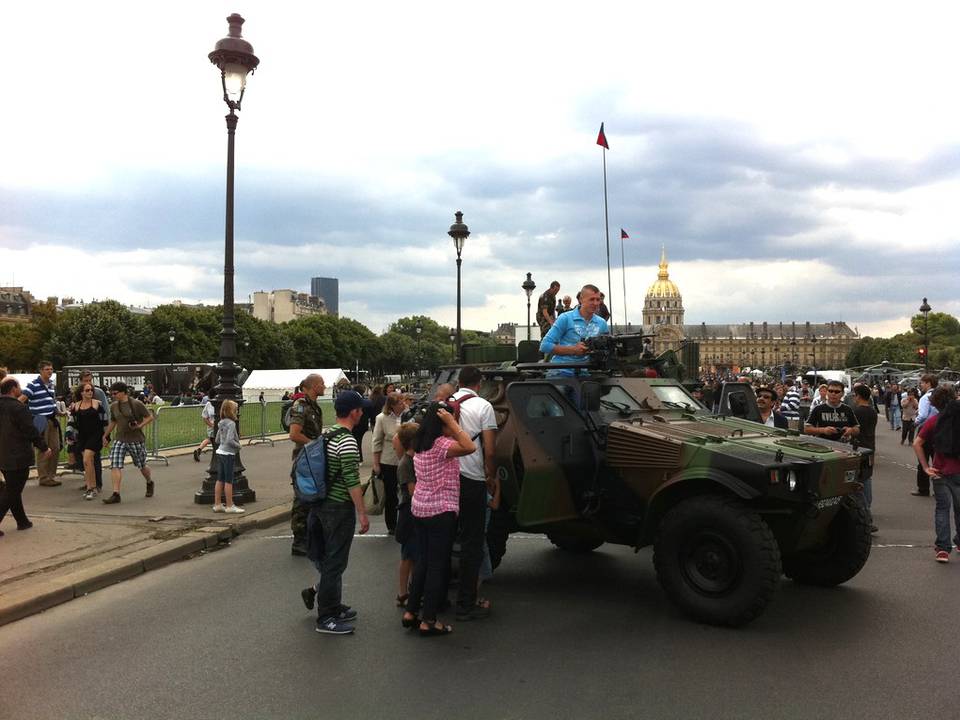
546,312
306,424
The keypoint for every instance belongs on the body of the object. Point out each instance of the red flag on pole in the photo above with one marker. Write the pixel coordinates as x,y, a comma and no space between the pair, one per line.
602,138
623,234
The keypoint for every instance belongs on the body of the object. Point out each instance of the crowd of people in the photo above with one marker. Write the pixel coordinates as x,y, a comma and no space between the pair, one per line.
436,466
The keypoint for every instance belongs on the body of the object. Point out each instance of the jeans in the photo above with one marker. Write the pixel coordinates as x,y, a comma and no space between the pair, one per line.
225,468
388,473
867,480
947,492
11,498
473,519
894,416
337,520
429,583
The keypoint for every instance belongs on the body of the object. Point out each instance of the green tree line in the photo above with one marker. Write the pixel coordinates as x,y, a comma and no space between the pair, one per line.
943,342
107,333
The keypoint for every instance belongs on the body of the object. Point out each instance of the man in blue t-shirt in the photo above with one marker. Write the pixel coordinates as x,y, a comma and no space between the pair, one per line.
40,398
565,340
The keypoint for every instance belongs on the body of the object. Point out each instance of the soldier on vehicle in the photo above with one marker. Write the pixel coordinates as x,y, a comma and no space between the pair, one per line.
546,310
565,340
306,424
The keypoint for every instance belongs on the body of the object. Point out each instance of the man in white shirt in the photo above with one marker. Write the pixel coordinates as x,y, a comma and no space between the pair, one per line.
477,475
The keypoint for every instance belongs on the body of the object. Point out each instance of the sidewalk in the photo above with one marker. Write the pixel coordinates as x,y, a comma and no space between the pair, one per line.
78,546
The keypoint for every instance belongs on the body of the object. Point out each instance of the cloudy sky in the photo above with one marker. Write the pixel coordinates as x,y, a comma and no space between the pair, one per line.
799,162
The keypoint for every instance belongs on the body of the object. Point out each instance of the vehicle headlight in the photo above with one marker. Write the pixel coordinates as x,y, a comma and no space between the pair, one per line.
793,480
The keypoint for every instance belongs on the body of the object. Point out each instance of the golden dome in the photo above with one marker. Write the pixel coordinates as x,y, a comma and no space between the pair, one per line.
664,286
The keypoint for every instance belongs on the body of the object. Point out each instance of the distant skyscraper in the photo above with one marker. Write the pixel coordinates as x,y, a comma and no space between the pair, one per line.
329,290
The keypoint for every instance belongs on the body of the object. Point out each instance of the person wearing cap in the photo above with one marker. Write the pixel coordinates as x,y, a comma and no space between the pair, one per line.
129,417
331,524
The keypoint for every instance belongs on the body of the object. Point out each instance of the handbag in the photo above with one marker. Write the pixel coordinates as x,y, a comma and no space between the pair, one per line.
373,495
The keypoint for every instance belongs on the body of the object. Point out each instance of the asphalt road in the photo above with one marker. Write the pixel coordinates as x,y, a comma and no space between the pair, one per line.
226,636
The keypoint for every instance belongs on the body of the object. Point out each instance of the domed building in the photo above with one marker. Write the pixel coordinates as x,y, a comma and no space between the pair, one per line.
723,347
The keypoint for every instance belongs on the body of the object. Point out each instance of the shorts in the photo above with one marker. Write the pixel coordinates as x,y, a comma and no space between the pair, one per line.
211,433
137,451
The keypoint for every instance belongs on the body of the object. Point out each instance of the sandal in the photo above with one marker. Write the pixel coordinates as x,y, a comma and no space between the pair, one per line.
436,630
402,600
410,623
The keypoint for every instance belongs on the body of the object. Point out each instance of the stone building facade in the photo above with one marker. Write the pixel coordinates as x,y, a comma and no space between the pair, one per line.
762,344
16,305
280,306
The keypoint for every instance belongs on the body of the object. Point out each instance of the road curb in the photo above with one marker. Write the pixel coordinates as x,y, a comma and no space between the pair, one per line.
50,592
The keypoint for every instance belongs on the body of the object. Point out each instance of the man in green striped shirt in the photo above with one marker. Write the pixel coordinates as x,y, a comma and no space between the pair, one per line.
335,519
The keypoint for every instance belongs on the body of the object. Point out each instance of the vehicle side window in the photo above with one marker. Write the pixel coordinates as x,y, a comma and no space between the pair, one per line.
543,405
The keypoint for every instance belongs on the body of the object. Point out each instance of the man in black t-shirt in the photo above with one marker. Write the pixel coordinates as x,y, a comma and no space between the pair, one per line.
833,420
867,438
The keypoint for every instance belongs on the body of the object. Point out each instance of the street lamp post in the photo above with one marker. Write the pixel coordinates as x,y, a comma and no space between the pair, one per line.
234,57
813,355
172,336
419,329
453,347
528,287
459,232
925,309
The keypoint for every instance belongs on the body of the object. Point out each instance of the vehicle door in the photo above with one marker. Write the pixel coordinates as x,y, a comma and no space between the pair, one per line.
556,450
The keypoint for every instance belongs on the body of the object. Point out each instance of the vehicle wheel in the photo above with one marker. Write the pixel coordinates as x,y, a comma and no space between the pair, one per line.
575,543
844,554
717,560
497,533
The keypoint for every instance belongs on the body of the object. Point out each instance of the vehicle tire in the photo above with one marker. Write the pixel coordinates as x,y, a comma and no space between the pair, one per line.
717,560
575,543
844,554
497,533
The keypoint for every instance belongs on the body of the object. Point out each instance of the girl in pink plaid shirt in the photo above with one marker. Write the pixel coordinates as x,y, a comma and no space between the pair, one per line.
436,500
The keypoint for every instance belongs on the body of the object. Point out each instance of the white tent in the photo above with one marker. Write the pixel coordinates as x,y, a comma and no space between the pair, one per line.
24,378
274,383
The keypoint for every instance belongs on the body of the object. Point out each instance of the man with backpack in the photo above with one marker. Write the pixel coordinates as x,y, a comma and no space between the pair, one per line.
306,424
332,521
477,476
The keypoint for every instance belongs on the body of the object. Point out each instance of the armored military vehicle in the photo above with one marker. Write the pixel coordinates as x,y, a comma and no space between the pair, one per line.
622,453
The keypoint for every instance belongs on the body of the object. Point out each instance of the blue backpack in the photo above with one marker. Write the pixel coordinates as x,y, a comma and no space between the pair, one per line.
310,469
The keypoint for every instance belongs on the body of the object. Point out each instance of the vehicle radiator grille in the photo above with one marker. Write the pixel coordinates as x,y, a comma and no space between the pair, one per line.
631,446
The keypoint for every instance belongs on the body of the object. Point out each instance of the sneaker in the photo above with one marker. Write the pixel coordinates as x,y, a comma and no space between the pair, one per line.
112,500
332,626
196,455
309,595
149,489
943,556
90,494
219,508
346,614
234,509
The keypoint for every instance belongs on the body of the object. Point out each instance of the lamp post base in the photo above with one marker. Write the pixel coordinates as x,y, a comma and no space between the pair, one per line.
242,492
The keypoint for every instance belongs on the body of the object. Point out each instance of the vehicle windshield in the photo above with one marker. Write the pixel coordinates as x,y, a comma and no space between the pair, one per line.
615,398
672,396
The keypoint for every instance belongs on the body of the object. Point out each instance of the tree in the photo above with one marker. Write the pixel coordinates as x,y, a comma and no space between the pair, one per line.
17,347
102,333
398,353
197,333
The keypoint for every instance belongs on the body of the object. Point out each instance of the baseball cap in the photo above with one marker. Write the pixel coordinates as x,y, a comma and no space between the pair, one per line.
346,401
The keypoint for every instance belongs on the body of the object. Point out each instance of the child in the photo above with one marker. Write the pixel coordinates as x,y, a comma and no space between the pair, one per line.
229,445
406,481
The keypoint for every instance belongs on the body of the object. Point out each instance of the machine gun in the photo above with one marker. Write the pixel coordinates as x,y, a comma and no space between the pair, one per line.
632,355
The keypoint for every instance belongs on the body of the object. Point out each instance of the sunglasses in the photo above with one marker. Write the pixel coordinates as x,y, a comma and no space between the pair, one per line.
834,392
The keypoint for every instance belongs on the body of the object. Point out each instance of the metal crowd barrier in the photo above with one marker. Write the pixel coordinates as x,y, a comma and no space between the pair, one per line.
182,426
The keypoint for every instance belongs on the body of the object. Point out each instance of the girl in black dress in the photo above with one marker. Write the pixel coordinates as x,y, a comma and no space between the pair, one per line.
88,421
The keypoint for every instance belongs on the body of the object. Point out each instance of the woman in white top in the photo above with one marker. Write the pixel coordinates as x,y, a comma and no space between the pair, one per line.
385,459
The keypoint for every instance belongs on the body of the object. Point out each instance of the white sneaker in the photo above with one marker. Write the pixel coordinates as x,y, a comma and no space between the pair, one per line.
234,509
219,508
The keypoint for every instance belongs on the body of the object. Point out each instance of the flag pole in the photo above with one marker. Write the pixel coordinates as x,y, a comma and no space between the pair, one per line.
623,271
606,221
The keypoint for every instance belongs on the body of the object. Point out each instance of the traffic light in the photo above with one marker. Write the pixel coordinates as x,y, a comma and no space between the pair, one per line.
922,353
